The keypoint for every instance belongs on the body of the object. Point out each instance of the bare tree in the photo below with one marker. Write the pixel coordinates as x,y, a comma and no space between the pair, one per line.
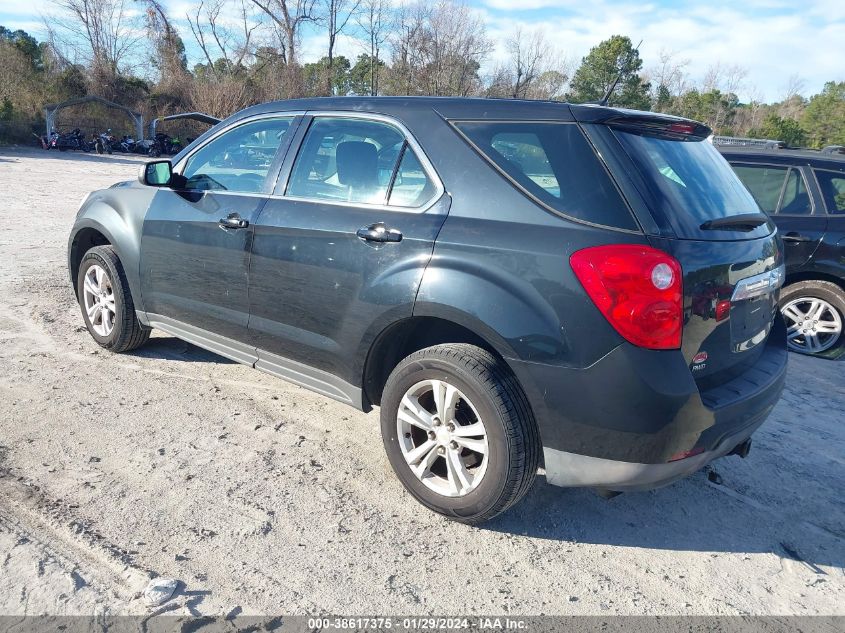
438,49
168,48
101,32
335,18
727,78
288,18
231,45
669,72
534,69
375,22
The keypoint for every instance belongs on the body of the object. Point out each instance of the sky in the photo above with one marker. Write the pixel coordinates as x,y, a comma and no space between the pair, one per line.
774,40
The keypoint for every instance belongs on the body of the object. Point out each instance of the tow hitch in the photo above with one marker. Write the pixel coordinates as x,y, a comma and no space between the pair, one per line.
742,449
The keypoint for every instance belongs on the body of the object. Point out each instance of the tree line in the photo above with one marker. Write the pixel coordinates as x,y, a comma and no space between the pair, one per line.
133,52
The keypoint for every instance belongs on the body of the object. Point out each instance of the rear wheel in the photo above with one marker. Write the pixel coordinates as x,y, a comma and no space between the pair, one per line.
107,306
459,432
814,312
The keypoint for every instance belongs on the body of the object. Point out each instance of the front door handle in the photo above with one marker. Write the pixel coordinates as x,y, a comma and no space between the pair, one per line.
233,221
792,236
379,232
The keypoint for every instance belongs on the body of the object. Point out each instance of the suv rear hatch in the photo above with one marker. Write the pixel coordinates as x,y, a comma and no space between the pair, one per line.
702,215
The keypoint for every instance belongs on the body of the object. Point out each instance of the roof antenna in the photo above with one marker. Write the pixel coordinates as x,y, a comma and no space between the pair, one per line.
610,90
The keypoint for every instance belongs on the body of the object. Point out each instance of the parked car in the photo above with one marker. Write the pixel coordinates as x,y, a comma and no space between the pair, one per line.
804,192
514,283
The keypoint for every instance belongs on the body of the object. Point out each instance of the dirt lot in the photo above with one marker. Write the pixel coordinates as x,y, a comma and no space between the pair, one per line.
264,498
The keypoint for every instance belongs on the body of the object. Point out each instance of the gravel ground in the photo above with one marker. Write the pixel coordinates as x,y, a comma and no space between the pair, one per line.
262,498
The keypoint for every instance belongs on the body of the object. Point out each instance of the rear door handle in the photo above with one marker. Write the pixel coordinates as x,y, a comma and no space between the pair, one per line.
792,236
379,232
233,221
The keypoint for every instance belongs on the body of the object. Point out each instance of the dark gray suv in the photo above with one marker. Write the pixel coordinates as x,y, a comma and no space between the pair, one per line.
515,284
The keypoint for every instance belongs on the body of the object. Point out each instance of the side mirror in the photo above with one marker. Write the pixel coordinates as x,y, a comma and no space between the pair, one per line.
157,173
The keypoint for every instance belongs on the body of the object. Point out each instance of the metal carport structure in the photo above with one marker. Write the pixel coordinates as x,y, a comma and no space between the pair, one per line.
51,110
196,116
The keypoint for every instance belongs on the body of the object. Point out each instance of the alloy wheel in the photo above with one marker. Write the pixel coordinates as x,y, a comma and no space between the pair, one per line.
442,438
98,297
813,325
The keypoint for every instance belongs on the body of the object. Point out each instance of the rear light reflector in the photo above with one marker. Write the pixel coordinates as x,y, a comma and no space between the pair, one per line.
684,454
637,289
723,310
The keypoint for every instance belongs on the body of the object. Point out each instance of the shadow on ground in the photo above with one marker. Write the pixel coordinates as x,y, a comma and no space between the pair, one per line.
690,515
172,348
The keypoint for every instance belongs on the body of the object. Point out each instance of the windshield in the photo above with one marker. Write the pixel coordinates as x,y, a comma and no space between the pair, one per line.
691,184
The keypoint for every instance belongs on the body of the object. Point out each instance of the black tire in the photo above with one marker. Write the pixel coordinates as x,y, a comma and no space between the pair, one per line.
127,333
827,291
513,439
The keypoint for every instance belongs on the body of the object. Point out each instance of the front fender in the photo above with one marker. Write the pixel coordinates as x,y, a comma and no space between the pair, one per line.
118,215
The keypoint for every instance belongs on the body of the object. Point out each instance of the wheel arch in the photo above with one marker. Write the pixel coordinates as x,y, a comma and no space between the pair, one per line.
814,275
102,225
406,336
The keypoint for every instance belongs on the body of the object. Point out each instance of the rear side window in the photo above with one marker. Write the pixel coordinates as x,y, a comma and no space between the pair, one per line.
349,160
832,184
764,183
690,183
776,189
795,200
358,160
553,164
411,186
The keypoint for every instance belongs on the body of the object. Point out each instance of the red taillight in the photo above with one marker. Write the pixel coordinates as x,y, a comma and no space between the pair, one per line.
637,289
723,310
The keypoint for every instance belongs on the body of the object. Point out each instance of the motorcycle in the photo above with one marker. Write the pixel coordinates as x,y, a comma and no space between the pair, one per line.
164,144
107,143
73,140
127,144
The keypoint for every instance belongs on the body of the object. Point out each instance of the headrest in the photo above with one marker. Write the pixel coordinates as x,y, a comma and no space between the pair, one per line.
357,164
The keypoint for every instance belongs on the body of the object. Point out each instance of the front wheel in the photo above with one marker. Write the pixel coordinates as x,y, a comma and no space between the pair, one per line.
459,432
814,312
107,306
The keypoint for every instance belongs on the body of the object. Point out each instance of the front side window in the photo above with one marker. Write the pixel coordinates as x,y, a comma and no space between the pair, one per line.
832,184
555,165
239,159
346,160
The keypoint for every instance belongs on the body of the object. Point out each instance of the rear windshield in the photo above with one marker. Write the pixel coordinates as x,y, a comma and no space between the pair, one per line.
555,165
690,182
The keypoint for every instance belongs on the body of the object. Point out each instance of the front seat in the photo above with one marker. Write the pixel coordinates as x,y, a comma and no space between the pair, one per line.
357,168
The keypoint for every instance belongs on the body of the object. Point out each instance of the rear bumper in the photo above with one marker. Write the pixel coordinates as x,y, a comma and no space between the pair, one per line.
572,470
619,423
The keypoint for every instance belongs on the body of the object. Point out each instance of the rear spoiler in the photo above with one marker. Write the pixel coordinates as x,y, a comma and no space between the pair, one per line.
640,122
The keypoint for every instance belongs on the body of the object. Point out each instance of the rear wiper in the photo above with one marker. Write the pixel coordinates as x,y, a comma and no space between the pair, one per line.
742,222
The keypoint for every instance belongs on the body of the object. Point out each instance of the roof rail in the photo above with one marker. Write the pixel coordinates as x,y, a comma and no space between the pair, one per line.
833,149
748,142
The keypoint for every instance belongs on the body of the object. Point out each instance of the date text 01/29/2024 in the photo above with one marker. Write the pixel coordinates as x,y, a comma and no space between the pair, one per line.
418,623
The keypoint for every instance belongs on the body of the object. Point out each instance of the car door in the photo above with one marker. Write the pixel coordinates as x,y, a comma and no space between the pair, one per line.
782,192
195,244
831,255
339,251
